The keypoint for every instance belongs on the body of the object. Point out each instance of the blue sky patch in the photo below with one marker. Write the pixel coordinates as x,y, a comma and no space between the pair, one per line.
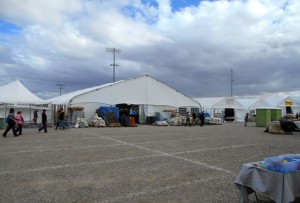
9,28
134,13
180,4
150,3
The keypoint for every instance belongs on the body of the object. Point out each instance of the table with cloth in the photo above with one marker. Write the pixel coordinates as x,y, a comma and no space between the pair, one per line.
280,187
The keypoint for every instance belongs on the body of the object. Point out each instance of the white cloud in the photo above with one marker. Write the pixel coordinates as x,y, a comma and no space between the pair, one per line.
42,12
66,40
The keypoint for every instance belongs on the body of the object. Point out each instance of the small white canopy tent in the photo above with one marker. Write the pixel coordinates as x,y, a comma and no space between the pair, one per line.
231,105
147,92
16,95
286,103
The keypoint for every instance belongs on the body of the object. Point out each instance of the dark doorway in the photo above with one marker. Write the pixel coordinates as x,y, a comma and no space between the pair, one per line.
129,110
289,110
229,115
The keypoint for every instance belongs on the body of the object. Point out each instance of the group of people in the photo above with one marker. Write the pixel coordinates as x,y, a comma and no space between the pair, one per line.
15,122
194,116
12,121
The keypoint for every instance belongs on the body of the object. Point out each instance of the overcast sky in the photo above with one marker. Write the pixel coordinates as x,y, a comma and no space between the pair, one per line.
190,45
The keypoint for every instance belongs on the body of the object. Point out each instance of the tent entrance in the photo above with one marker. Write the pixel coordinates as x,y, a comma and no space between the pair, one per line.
229,114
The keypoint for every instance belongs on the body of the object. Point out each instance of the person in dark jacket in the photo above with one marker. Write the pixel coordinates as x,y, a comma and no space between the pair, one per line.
246,119
202,119
11,123
44,122
61,118
194,118
35,117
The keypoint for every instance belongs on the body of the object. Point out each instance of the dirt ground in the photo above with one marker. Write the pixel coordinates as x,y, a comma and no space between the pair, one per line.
134,164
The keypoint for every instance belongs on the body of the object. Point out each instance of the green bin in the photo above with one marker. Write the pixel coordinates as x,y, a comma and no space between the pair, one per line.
263,117
275,114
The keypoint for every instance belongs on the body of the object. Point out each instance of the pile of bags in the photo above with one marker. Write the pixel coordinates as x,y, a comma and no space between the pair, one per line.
161,123
81,123
96,121
176,121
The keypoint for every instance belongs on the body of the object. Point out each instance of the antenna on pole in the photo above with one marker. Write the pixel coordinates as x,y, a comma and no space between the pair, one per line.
60,87
114,51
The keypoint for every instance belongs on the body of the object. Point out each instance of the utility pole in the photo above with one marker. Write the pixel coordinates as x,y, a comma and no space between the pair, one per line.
60,87
231,81
114,51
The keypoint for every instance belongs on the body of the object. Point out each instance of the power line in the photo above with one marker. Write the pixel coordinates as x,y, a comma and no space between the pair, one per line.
114,51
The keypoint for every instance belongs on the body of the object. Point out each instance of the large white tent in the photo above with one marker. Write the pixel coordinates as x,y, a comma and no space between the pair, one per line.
148,93
16,95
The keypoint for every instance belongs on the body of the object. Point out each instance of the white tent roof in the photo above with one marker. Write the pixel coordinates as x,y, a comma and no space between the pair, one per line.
252,104
228,102
279,101
140,90
16,92
207,103
67,98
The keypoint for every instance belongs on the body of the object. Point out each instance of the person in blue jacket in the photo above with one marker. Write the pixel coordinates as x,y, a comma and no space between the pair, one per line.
11,123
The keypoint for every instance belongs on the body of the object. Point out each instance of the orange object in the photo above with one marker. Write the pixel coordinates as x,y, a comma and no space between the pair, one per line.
132,121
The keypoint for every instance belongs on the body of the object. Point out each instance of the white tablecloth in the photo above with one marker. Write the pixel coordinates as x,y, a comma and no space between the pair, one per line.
282,188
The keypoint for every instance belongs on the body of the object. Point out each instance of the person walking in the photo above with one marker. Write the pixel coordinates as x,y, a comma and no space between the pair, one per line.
20,122
11,123
35,116
246,119
57,119
61,118
222,117
202,119
194,118
44,122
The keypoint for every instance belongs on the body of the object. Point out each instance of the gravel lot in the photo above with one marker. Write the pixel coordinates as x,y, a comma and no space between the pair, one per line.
137,164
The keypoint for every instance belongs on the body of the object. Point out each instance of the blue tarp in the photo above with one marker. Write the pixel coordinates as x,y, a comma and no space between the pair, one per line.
104,110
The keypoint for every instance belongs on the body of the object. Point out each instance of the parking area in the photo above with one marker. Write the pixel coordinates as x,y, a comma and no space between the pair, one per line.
134,164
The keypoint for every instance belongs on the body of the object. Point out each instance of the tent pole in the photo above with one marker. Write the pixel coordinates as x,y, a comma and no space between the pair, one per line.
29,113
